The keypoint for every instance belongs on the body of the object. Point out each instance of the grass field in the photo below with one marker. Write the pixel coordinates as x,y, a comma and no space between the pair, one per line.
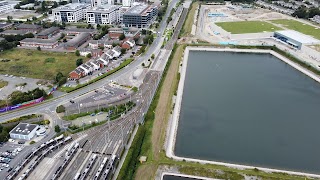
3,83
36,64
298,26
243,27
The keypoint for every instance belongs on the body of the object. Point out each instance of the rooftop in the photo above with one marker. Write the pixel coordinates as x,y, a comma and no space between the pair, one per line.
36,40
28,26
297,36
48,31
14,32
76,39
23,128
3,25
72,6
104,8
138,9
80,30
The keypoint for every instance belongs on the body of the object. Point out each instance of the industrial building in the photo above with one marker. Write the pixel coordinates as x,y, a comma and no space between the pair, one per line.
48,33
104,14
33,28
24,131
77,41
42,43
73,12
295,39
140,16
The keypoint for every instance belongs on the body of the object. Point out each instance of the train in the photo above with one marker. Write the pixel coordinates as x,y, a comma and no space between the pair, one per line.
102,166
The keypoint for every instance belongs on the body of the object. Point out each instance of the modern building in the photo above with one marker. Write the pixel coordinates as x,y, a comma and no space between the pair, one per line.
140,16
42,43
33,28
24,131
73,12
77,41
48,33
294,38
104,14
5,7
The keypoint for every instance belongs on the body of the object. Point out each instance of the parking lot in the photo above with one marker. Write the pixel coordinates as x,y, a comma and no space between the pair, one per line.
8,152
16,83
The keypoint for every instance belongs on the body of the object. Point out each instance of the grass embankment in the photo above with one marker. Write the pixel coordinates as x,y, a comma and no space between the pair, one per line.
3,83
22,118
243,27
122,65
150,138
187,26
36,64
298,26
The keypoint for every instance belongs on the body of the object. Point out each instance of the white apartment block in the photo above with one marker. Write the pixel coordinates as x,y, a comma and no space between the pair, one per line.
5,7
73,12
104,14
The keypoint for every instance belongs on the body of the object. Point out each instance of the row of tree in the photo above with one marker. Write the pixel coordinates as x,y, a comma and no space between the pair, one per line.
18,97
304,12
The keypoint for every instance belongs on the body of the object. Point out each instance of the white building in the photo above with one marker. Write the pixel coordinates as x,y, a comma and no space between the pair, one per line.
73,12
24,131
104,14
127,3
5,7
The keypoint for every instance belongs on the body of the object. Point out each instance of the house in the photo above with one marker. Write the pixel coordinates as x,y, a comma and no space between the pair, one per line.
91,67
33,28
77,41
96,52
105,59
48,33
110,54
76,74
42,43
86,69
95,65
130,43
95,44
117,51
109,44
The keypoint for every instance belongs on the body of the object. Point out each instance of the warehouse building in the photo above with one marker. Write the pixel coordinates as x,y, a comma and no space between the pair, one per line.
104,14
77,41
24,131
42,43
33,28
140,16
48,33
295,39
73,12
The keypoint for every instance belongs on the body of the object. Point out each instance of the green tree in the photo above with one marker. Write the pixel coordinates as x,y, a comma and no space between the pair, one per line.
98,26
123,50
152,56
9,19
57,128
89,55
39,48
79,61
60,109
77,53
122,37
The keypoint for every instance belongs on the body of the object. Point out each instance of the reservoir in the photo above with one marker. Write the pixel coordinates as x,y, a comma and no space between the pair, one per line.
250,109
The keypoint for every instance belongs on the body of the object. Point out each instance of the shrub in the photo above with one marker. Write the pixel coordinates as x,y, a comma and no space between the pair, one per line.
60,109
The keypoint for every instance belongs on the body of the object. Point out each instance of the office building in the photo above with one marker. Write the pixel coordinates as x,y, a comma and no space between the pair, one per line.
140,16
104,14
24,131
73,12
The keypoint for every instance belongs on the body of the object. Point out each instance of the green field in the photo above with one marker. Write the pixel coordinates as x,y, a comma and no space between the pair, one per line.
36,64
298,26
243,27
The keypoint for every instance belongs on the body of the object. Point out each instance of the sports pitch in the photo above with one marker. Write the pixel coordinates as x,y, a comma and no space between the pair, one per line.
243,27
298,26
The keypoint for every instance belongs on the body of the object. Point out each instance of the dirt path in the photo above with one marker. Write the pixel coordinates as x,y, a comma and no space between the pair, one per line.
162,112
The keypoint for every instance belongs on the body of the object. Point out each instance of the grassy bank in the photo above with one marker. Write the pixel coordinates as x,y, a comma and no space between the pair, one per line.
36,64
187,25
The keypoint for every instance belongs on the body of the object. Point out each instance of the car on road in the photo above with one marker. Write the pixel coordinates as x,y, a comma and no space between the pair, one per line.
99,113
71,101
93,114
21,142
11,140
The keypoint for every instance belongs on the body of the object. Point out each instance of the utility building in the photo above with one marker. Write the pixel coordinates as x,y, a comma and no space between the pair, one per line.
24,131
295,39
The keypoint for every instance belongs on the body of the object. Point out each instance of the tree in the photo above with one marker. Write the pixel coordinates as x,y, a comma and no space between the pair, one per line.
301,12
55,4
77,53
143,31
152,56
57,128
39,48
122,37
9,19
65,40
89,55
123,50
98,26
60,109
79,62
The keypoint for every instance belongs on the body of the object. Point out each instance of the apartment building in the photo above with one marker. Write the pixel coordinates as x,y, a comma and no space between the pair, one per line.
104,14
73,12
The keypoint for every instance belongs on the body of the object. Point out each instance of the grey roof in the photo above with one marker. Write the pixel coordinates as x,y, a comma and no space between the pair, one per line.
79,69
48,31
72,6
117,48
28,26
138,9
14,32
89,64
79,30
77,39
36,40
106,8
3,25
23,128
110,52
111,42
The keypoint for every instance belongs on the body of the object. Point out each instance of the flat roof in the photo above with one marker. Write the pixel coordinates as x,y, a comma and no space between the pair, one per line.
77,39
2,25
28,26
13,31
23,129
138,9
72,6
297,36
106,8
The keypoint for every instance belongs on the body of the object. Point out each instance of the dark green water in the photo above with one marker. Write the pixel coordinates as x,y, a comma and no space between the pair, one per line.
249,109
